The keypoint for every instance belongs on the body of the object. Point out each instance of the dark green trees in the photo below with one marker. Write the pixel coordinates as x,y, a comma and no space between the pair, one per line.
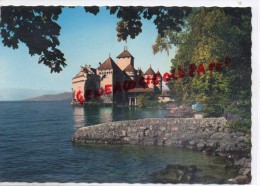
214,35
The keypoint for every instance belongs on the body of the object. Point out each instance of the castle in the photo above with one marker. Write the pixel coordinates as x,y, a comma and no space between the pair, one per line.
118,83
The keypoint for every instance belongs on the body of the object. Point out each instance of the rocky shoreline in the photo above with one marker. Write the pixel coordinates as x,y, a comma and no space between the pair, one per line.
208,135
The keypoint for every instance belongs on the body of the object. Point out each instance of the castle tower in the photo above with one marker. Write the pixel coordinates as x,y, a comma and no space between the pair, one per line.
140,72
125,59
106,72
148,76
85,79
78,83
111,74
159,85
130,71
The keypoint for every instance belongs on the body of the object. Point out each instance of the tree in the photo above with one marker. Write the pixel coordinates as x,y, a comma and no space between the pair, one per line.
212,34
37,28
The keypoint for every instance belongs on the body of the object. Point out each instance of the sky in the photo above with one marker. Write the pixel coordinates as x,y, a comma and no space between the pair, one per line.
84,39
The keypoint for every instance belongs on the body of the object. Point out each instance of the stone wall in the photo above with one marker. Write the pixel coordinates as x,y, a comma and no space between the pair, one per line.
207,134
210,135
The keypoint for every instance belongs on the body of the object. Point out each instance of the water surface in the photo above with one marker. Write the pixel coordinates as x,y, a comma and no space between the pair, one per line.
35,146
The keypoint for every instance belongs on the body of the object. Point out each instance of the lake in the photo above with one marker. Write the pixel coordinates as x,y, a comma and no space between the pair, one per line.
35,146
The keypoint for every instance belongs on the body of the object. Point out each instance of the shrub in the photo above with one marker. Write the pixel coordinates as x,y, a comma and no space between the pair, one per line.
141,100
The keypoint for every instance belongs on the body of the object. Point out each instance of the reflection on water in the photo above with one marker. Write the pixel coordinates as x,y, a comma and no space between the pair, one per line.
37,147
135,164
79,117
92,115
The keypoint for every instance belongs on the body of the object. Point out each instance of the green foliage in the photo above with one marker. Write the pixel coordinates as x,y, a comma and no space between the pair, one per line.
201,45
148,101
241,126
212,34
162,43
248,140
164,18
154,104
141,101
242,109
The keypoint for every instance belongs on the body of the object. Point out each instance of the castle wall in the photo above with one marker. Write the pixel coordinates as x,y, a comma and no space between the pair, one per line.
122,63
158,87
106,78
119,96
131,75
150,85
90,83
78,84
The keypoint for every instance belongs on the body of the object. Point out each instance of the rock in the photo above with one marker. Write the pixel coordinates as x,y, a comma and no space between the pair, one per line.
247,163
231,116
211,144
198,116
220,129
200,145
176,173
134,129
170,106
240,162
217,136
228,130
201,134
123,133
182,111
208,151
232,181
184,143
242,179
192,142
126,139
245,171
162,128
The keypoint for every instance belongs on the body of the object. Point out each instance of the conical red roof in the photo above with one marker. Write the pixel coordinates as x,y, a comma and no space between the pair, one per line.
124,54
158,72
108,65
129,68
149,72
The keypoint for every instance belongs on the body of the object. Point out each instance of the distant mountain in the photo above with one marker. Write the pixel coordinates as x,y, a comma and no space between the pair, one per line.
65,96
17,94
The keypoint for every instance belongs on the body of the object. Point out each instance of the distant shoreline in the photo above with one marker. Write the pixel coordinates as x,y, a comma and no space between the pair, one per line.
65,96
2,101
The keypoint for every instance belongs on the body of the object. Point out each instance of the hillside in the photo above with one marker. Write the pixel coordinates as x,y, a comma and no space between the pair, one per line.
52,97
19,94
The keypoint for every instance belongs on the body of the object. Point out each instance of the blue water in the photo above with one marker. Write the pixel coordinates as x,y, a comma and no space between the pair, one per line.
35,146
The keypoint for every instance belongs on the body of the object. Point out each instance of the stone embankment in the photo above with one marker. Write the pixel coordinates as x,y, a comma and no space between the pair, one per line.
210,135
203,134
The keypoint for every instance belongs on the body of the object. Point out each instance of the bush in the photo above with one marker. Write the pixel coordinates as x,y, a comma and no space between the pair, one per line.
241,126
153,103
148,101
141,100
240,112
